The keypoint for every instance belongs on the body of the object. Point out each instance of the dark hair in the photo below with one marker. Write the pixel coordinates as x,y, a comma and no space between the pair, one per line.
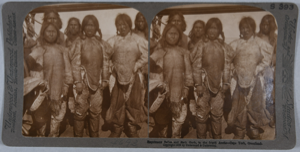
173,14
163,41
219,26
139,14
45,25
125,18
46,15
273,28
192,33
249,21
67,30
96,24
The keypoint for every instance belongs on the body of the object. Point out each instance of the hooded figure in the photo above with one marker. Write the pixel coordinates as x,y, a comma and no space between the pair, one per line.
177,18
171,67
52,16
50,62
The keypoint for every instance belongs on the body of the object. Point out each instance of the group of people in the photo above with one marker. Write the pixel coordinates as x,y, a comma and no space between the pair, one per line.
191,78
62,74
204,75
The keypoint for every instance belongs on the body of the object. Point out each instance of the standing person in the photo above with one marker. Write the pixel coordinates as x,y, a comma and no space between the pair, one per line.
73,33
141,29
266,32
196,34
209,59
177,19
176,78
129,55
52,16
90,72
250,56
51,63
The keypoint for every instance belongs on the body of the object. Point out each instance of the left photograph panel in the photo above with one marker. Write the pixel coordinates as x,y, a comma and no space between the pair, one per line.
85,71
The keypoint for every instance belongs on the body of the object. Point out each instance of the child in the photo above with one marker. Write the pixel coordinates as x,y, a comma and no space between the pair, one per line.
176,79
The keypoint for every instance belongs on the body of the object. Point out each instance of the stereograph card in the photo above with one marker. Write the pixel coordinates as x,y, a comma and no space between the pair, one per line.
149,75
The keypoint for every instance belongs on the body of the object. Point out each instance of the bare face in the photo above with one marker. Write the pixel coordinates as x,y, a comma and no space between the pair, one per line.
246,31
213,32
74,27
52,18
123,28
265,27
50,34
172,36
90,29
199,29
176,20
141,23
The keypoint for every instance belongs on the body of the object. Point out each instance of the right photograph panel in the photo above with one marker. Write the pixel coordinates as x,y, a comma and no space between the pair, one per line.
212,73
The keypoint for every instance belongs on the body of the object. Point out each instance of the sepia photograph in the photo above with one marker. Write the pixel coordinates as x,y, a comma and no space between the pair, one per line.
165,75
212,73
85,71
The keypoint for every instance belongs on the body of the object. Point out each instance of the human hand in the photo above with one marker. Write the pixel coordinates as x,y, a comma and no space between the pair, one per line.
225,87
200,90
104,84
135,69
65,90
55,106
185,92
79,87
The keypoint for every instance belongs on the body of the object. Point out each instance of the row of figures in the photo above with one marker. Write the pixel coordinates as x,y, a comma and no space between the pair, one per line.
200,81
65,77
77,77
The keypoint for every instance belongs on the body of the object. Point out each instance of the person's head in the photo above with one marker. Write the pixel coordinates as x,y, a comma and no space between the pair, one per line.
51,15
49,33
177,18
123,24
214,29
140,22
29,26
171,35
267,25
90,26
73,27
198,30
247,28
